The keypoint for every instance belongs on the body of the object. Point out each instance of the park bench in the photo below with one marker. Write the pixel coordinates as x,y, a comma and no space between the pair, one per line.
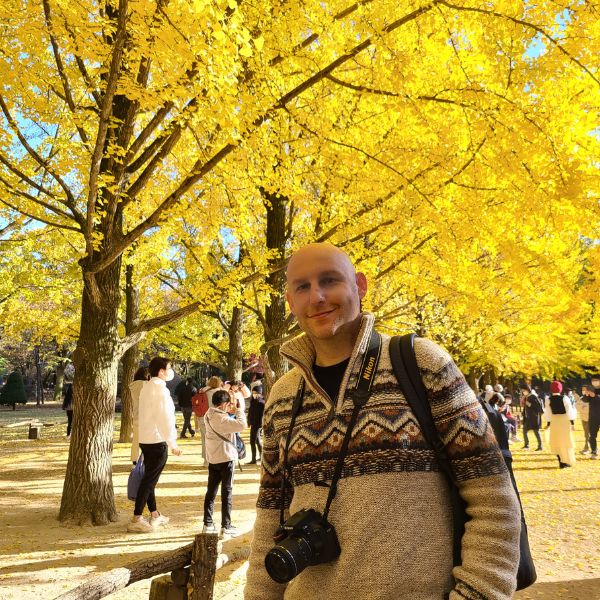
192,567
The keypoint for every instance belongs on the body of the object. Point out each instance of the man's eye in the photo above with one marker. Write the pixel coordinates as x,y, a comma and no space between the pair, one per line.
328,281
302,286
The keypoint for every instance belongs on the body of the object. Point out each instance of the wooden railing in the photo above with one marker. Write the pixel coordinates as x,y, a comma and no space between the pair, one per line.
192,569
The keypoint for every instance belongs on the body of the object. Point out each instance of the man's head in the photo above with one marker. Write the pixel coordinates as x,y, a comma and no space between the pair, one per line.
323,290
220,397
595,381
161,367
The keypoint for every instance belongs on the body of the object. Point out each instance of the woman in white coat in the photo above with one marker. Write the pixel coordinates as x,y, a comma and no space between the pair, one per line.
560,415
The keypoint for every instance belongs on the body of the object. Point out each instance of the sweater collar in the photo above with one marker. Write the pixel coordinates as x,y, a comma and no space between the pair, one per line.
301,352
158,381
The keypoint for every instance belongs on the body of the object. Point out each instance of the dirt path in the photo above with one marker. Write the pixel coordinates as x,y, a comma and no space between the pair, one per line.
39,558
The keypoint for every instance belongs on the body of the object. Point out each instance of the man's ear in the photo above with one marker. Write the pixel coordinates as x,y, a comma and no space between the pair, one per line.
290,302
361,284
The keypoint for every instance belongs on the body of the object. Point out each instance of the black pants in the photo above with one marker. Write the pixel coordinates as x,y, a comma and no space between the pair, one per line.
594,425
536,431
69,421
255,440
155,459
220,473
187,423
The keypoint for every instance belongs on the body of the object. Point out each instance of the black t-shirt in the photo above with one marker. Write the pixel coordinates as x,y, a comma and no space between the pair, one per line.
330,378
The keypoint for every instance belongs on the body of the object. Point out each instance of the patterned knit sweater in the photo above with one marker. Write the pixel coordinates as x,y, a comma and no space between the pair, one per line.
391,512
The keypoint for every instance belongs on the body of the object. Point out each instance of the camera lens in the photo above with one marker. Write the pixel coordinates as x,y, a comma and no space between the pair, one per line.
287,559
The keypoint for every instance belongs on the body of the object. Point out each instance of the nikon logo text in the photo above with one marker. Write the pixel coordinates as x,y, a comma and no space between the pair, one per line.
369,369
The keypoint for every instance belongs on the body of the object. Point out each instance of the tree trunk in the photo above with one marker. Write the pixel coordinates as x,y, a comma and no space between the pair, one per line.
275,311
39,387
131,357
235,352
88,494
58,384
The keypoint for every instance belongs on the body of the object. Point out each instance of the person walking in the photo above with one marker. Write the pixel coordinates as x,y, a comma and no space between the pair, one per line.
583,411
141,376
592,397
184,398
223,420
255,415
532,416
157,434
67,405
391,509
560,416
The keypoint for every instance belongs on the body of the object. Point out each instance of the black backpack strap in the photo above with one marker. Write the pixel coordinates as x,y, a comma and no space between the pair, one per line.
404,364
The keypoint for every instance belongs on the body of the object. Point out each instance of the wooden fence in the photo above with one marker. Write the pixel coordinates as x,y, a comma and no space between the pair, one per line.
192,569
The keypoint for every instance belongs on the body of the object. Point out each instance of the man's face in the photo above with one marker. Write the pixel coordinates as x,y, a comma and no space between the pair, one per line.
323,291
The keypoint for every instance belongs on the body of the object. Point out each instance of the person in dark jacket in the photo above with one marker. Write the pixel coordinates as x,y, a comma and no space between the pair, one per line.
255,416
184,398
68,405
533,410
592,397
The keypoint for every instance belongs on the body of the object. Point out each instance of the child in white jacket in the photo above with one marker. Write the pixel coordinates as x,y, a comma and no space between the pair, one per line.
223,420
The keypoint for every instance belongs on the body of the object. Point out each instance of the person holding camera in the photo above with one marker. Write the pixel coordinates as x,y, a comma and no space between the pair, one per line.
223,420
352,501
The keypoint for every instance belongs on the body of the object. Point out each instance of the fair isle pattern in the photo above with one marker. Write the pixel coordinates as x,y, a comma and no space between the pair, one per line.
387,437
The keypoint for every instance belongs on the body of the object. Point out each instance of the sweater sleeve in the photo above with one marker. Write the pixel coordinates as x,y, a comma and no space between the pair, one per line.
259,586
490,544
165,421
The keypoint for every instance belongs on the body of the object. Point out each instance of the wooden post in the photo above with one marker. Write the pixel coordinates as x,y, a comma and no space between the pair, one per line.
163,588
34,431
204,565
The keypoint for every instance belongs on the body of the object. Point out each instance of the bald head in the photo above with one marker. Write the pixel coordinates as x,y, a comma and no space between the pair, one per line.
319,252
324,293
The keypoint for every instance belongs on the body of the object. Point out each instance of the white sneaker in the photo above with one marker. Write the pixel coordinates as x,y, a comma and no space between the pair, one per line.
139,526
209,529
231,531
159,521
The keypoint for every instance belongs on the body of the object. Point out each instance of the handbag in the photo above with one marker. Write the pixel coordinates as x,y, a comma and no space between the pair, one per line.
404,363
240,446
135,478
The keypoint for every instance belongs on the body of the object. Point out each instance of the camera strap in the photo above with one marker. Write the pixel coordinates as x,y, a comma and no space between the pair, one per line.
360,396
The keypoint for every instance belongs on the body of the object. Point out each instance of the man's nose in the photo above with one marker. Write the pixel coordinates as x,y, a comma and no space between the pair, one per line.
316,294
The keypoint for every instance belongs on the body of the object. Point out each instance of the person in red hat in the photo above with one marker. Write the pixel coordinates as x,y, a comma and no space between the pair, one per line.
560,415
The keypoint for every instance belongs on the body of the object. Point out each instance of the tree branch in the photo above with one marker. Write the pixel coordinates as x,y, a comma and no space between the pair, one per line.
40,219
139,332
43,163
61,72
200,168
104,119
523,23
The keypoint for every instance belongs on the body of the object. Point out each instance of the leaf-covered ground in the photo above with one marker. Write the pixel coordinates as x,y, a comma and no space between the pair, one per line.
41,558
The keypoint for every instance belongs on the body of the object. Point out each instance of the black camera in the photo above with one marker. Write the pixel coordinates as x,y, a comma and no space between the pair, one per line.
306,538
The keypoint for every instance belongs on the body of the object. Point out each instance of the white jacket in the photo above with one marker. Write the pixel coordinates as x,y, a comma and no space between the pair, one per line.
219,421
156,414
135,387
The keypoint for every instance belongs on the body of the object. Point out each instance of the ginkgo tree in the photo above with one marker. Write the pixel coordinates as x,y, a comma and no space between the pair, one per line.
119,116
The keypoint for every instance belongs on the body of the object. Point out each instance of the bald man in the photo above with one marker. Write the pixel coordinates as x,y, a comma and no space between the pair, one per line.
391,513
